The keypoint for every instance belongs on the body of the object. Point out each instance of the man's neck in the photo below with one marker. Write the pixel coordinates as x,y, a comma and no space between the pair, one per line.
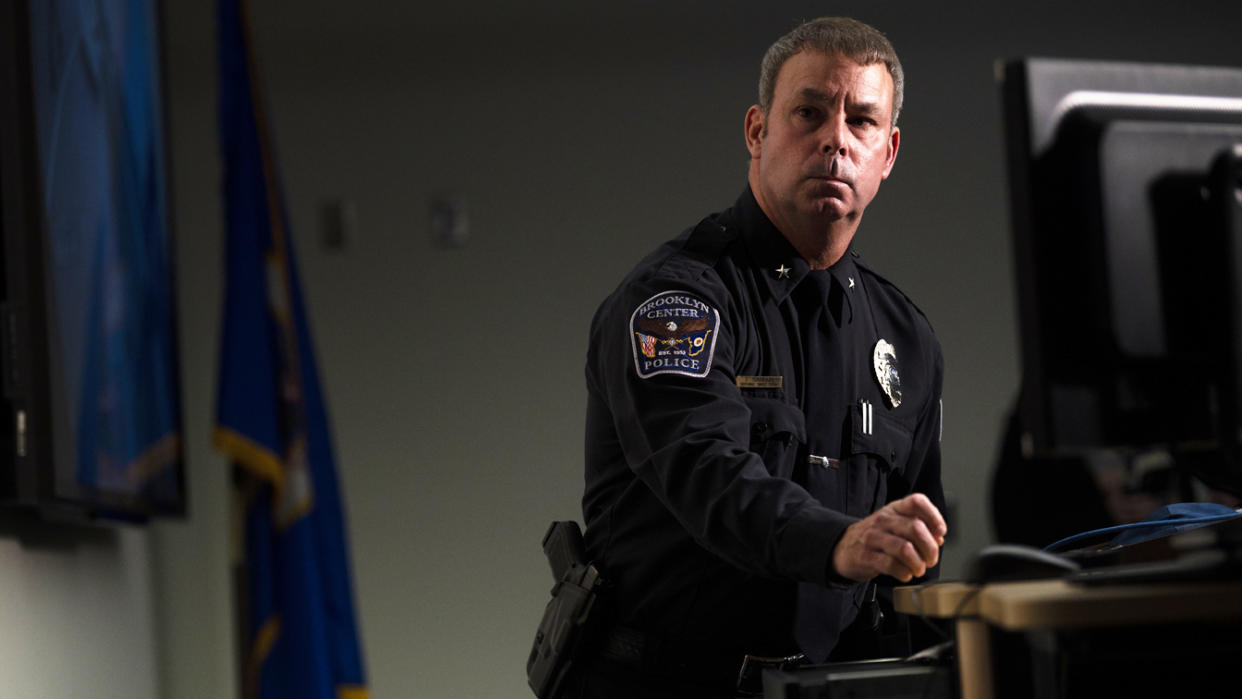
819,241
821,247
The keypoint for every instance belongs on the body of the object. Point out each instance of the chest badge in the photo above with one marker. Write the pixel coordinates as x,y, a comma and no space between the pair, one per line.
884,358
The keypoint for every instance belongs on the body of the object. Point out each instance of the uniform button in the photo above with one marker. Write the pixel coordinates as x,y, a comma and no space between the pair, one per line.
761,427
892,456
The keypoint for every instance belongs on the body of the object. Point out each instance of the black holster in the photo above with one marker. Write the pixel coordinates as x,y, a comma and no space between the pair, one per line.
571,620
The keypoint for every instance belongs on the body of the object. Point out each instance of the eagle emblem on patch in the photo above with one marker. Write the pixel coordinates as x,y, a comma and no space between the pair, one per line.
673,332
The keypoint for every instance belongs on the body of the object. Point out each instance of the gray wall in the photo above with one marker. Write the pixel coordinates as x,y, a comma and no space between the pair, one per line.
579,138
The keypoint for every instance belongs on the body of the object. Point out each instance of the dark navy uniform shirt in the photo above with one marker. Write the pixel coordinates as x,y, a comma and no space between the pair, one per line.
705,504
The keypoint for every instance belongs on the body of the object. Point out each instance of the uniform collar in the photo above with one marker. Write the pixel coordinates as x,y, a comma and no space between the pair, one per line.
779,264
781,267
846,275
846,272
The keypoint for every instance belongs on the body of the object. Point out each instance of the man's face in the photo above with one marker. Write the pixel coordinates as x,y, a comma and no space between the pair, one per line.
819,154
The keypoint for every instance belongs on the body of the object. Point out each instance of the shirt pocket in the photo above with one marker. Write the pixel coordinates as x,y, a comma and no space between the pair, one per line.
879,445
777,432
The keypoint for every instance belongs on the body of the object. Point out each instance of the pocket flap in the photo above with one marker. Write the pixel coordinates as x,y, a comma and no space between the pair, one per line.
877,433
775,416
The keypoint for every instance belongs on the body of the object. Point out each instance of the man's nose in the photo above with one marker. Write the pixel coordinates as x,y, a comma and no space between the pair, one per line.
834,135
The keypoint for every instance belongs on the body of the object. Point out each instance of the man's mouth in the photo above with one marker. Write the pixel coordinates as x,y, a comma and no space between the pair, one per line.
832,179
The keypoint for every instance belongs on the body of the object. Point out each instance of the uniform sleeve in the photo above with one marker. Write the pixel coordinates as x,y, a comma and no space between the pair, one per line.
685,431
923,472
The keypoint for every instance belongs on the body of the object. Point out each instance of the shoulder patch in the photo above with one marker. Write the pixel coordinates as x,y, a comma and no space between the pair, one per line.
673,332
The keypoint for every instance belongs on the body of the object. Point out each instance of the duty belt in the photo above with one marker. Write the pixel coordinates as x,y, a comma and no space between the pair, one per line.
638,651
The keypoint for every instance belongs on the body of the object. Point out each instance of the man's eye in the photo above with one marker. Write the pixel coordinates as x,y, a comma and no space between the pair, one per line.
806,112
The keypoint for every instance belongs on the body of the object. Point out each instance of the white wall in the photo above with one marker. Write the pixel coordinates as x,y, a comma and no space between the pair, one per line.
77,612
579,138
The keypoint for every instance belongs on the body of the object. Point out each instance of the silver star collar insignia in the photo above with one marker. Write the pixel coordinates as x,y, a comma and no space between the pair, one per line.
884,359
782,272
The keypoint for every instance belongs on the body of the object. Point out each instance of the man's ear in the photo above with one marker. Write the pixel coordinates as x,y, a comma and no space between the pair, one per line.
754,131
894,141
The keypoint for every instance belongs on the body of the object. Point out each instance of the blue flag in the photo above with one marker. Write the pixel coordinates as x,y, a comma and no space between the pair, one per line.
297,597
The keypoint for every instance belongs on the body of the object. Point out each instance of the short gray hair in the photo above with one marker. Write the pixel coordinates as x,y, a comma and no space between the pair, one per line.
832,35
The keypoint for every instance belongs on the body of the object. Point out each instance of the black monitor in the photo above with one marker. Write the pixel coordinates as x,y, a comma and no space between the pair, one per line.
1125,203
90,417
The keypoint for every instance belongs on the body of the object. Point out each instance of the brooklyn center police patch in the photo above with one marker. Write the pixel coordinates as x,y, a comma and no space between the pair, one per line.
674,333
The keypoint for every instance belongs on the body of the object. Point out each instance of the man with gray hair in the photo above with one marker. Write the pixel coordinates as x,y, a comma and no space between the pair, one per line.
763,418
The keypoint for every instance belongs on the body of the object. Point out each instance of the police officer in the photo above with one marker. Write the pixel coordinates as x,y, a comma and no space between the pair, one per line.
763,421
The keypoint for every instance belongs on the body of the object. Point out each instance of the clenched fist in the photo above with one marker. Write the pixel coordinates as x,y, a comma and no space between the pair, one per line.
901,539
